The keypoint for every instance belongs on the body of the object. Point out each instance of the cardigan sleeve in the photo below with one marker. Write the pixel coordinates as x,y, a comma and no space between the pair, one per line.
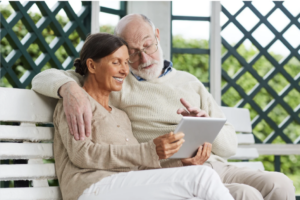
225,144
87,154
49,81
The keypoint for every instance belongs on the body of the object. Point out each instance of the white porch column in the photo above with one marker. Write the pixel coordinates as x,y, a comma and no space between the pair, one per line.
160,14
95,17
215,51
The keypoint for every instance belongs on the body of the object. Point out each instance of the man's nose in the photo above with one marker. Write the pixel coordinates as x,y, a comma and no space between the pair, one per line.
144,57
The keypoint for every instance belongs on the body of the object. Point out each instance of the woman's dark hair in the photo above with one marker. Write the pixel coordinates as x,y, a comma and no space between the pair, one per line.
97,46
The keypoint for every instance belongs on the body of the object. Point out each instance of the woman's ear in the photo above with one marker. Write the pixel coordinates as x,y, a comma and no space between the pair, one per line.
91,65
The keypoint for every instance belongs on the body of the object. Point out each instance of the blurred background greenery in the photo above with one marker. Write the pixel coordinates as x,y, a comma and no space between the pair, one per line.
197,65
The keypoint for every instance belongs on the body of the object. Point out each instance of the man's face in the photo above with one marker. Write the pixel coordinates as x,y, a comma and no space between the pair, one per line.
140,35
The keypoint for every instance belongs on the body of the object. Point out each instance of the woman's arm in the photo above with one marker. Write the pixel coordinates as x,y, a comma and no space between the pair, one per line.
87,154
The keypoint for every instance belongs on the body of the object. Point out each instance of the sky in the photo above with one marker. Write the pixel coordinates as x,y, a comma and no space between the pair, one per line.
200,30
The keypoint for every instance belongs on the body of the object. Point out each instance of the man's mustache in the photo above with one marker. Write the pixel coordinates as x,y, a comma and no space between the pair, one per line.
146,64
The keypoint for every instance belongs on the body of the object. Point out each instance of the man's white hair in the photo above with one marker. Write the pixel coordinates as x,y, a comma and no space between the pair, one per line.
129,17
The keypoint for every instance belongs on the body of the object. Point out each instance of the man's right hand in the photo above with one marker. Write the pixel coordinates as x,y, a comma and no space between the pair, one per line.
168,144
78,110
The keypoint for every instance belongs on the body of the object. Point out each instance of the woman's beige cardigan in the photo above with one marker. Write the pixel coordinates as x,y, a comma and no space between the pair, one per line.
110,149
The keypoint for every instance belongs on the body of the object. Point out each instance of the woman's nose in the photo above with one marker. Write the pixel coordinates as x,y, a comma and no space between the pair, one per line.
125,69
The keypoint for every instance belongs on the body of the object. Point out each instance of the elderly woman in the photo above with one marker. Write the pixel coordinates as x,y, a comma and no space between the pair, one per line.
111,164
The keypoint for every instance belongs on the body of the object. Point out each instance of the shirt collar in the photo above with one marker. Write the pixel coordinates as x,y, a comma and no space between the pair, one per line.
167,68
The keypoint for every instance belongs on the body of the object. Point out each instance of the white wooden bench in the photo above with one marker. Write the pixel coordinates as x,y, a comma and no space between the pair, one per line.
240,119
29,108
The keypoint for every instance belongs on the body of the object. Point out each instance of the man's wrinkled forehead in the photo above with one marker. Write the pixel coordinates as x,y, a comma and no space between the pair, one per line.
135,30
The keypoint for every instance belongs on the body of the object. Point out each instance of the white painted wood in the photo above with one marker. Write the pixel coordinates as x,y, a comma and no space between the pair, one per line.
215,51
253,165
27,172
247,138
95,27
26,151
21,105
239,118
245,154
38,183
16,133
159,12
52,193
275,149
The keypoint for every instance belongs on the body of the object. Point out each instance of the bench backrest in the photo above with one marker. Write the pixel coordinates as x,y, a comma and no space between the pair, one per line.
19,105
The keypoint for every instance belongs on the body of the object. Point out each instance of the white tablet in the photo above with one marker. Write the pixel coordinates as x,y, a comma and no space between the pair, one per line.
197,130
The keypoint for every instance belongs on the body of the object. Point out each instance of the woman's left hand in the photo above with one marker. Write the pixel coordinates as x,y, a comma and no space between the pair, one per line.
203,154
191,111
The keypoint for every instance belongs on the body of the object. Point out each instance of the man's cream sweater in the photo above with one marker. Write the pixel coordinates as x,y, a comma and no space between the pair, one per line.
152,105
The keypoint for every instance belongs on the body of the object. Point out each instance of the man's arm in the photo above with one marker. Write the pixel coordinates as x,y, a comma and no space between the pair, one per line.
76,105
225,144
49,81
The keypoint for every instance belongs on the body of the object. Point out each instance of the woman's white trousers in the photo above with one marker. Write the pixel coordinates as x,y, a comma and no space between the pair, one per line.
193,182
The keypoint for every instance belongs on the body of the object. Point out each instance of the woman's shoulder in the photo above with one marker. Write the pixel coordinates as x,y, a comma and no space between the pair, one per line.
59,113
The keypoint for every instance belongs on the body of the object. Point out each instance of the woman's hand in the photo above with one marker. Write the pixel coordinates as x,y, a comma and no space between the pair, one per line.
191,111
168,144
203,154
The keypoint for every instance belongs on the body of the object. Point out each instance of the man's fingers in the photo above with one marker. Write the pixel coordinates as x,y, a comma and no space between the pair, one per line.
87,118
74,127
182,112
194,110
69,124
185,103
81,127
202,113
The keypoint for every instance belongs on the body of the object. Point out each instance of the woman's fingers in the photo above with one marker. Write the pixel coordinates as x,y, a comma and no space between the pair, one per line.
171,146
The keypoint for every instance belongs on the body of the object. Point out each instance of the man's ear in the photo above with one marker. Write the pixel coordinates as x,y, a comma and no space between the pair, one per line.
91,65
157,34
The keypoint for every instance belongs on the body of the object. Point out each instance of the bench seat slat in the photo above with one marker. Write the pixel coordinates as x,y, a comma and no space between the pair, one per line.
18,133
44,193
253,165
26,151
27,172
245,154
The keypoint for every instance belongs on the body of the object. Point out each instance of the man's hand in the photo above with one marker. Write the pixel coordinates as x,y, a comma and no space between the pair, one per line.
191,111
203,154
168,144
78,110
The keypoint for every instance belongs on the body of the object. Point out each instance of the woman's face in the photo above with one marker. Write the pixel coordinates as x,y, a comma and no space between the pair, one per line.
111,70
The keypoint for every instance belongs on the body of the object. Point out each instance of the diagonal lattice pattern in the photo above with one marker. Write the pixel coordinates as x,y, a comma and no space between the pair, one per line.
275,71
77,22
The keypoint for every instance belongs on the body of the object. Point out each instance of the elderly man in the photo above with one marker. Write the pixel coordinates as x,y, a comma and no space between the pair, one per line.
151,96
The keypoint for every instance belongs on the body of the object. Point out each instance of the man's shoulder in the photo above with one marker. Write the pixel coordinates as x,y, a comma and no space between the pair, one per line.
185,75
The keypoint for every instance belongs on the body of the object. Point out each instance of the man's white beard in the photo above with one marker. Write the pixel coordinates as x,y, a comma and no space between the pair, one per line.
154,71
